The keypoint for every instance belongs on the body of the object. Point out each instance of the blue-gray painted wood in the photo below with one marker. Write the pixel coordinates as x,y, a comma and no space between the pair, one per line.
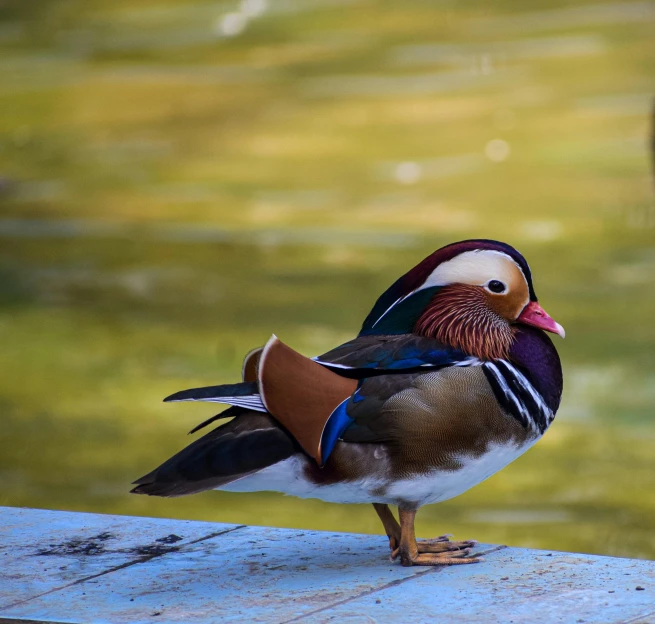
74,567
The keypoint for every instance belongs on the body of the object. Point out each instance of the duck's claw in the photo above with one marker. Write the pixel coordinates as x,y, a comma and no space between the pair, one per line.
438,545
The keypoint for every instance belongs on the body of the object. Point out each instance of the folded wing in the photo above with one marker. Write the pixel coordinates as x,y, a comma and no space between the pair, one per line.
314,399
367,356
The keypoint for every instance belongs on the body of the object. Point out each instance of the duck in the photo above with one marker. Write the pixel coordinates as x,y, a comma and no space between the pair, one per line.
451,377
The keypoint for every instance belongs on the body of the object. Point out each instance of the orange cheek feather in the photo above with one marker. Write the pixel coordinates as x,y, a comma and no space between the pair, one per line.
459,316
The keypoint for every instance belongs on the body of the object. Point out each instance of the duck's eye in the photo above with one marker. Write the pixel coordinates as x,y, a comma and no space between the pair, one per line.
496,286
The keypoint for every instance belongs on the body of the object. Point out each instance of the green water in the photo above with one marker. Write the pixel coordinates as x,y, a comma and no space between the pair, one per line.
180,179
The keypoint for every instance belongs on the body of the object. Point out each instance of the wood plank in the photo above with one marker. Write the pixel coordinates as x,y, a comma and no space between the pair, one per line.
515,585
258,574
43,550
62,567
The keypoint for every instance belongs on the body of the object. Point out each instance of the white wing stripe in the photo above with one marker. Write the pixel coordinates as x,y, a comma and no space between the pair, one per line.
331,364
252,401
470,361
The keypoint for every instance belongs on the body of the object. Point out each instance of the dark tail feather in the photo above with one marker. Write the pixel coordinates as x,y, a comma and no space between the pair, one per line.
153,489
244,445
228,413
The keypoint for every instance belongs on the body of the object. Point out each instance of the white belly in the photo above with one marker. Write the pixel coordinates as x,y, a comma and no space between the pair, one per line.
441,485
289,477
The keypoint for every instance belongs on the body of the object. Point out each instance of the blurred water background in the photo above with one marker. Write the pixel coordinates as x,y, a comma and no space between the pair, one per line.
181,178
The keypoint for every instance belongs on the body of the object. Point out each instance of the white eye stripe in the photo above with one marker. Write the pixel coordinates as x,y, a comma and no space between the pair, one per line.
478,268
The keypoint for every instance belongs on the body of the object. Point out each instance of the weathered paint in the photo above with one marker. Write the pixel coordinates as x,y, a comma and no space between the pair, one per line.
72,567
42,550
516,585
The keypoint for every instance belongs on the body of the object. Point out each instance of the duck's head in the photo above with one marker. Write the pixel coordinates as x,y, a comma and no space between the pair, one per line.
471,295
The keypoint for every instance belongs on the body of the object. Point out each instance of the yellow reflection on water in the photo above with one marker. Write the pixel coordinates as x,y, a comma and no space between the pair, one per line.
178,180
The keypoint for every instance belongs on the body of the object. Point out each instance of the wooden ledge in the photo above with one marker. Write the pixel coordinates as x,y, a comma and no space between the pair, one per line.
76,567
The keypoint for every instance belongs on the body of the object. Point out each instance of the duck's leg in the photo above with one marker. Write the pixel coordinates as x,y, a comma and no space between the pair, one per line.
438,552
390,523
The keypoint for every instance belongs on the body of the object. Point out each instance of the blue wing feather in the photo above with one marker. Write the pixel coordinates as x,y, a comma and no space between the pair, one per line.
367,355
338,422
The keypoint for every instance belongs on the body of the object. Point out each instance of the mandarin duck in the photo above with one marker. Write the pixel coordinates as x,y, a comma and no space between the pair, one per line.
449,380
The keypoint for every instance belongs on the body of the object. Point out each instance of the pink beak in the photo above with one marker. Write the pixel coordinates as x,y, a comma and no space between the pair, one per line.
533,314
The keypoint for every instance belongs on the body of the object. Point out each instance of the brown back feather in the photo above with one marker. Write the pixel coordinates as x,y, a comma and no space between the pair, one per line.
300,393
